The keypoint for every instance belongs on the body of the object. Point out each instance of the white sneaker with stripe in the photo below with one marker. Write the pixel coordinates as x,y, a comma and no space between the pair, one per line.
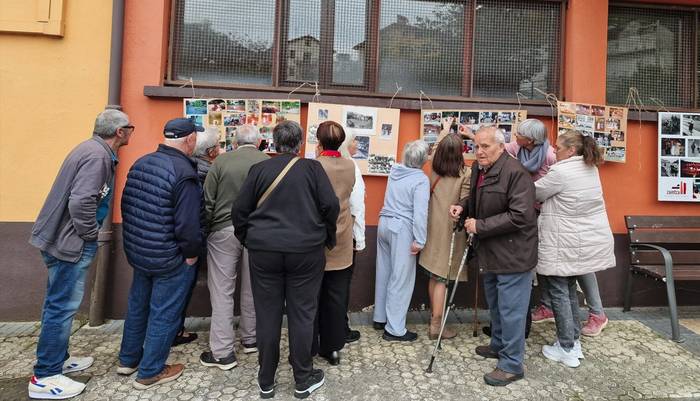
57,387
77,363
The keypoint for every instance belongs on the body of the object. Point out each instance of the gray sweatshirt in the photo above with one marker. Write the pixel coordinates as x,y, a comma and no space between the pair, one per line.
407,197
68,218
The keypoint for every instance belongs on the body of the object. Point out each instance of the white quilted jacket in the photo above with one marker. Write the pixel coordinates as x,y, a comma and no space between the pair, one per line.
574,233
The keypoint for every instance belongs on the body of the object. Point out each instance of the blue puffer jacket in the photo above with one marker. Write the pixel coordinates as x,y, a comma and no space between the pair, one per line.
160,211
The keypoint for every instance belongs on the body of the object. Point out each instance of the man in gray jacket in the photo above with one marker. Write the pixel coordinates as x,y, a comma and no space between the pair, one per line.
66,233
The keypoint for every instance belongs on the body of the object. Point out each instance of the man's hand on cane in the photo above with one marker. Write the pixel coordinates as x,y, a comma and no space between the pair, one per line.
470,226
455,212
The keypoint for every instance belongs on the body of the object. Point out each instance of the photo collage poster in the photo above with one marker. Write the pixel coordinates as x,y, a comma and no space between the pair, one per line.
226,115
436,124
606,124
679,157
376,132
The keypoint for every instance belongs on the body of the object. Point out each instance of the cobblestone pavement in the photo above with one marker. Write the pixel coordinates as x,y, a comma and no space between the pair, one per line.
628,361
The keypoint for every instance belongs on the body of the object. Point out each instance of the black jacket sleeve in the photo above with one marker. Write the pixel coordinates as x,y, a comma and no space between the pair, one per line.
328,205
188,201
244,205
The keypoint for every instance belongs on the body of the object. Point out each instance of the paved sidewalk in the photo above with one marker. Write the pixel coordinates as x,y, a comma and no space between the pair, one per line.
630,360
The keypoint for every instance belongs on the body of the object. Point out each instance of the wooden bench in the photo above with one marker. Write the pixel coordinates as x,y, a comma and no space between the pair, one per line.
667,249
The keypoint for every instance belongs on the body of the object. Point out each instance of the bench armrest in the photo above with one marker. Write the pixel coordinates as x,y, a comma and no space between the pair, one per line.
668,259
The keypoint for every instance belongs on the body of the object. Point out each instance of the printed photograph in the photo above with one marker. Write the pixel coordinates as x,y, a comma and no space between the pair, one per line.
469,118
507,130
362,152
487,117
585,132
291,107
215,119
567,108
311,134
195,106
267,119
690,169
234,119
469,147
602,138
380,164
669,167
360,118
430,133
584,122
616,112
612,124
506,117
562,130
197,119
323,114
583,109
691,124
386,131
228,145
270,106
598,111
671,124
266,133
618,136
696,189
269,147
567,121
217,105
235,105
615,154
451,119
432,117
693,147
672,147
253,106
599,124
252,119
279,117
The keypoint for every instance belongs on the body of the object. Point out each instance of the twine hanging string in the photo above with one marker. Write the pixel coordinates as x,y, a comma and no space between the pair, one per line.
634,100
398,89
297,88
552,100
660,103
520,96
317,93
420,99
189,82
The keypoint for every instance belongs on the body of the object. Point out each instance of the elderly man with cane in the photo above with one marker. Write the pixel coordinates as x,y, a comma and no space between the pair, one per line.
502,218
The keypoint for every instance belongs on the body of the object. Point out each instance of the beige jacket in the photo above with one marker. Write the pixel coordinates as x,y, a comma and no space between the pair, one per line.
341,173
434,256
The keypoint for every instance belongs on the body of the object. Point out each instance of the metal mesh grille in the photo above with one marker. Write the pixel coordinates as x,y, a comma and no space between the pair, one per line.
350,32
303,41
650,49
421,46
516,48
224,41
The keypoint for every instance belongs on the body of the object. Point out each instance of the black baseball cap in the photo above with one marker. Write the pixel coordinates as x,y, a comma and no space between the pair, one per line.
180,128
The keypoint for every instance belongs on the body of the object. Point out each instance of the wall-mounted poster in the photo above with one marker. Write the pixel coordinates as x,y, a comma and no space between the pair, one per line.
606,124
436,124
228,114
376,131
679,157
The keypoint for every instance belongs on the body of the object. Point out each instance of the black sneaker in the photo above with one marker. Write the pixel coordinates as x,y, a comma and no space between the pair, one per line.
250,348
266,392
229,362
409,336
352,336
378,325
315,380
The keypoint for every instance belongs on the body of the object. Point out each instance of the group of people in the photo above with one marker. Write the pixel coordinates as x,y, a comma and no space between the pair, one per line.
290,228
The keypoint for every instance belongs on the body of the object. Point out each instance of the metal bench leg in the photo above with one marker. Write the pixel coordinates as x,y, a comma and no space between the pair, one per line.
671,292
628,292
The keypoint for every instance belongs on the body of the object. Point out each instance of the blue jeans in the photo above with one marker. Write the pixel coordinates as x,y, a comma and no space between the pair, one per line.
153,318
508,298
64,293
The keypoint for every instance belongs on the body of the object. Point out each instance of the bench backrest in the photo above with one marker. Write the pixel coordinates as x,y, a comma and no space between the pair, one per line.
680,234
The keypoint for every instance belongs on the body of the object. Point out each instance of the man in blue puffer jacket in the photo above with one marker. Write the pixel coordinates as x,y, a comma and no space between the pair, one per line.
162,239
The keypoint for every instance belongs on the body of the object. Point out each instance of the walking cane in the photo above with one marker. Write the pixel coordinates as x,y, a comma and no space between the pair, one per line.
449,307
476,304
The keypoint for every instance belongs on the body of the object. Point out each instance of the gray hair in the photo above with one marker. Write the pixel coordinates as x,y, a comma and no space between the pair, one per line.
175,141
534,129
287,136
205,140
349,137
498,135
247,135
108,122
415,154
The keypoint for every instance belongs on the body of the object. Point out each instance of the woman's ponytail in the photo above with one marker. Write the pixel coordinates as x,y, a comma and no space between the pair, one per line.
592,154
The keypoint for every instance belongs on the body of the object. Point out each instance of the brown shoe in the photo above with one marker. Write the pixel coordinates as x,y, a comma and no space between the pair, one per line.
501,378
168,374
486,352
434,329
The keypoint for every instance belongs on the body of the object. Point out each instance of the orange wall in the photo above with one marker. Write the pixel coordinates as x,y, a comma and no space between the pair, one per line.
629,188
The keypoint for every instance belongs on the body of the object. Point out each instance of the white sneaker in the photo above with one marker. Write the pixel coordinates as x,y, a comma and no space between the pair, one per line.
77,363
57,387
558,354
577,349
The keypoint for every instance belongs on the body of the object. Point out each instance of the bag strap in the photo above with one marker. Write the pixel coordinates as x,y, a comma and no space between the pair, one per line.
432,189
277,180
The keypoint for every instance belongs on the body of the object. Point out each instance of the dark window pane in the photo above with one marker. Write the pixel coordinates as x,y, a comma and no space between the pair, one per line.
348,59
421,46
226,42
650,49
516,48
301,51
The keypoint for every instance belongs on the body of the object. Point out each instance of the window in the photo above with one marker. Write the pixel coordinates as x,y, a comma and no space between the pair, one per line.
465,48
651,49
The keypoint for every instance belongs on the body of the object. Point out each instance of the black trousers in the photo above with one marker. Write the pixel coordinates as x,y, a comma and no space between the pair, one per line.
347,301
332,311
294,278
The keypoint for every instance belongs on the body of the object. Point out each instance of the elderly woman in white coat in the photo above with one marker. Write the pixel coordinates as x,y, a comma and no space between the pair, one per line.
575,236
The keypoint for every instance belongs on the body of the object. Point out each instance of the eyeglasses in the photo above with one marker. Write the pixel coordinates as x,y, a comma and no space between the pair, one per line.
131,127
